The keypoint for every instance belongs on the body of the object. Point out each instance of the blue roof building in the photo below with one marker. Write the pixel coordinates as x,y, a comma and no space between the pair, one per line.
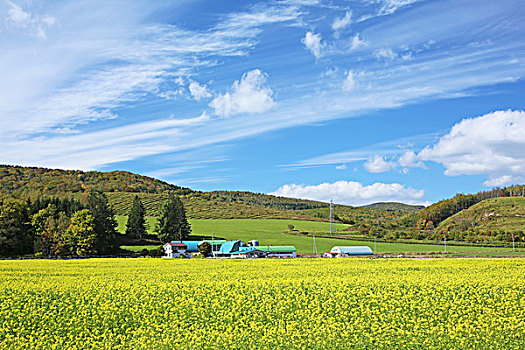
193,246
238,249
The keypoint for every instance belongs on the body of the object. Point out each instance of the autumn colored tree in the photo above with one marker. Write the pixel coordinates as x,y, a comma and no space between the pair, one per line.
81,234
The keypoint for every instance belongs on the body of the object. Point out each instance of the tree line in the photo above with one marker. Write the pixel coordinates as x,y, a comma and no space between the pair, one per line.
53,227
57,227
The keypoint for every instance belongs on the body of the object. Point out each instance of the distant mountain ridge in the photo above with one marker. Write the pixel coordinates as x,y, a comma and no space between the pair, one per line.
122,186
394,206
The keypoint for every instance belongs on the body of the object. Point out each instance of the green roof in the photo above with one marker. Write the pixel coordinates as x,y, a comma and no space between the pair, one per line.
216,241
277,248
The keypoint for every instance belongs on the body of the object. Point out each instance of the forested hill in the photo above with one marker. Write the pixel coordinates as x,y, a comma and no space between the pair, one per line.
431,216
121,187
395,206
32,181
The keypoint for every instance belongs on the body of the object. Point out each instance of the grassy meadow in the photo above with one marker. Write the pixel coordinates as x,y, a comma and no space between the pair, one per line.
269,232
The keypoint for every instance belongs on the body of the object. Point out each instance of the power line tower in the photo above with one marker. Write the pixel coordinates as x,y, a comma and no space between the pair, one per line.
332,230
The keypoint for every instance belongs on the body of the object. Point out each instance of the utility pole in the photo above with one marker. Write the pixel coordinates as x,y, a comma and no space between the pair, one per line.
375,247
513,245
315,247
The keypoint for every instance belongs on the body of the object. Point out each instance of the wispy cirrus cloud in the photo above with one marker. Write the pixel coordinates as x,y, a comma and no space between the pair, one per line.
100,61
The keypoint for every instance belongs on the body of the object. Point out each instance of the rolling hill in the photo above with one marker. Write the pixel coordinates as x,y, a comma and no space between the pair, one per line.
495,216
395,206
121,187
485,217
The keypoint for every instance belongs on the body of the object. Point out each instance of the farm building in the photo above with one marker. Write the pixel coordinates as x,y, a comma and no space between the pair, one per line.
285,251
238,249
193,246
230,249
175,249
342,251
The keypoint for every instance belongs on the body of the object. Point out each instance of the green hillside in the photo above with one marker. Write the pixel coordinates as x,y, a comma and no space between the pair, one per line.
433,215
461,218
394,206
495,218
120,188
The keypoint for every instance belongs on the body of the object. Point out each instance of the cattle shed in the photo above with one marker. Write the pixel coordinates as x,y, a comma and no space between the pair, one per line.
351,250
282,251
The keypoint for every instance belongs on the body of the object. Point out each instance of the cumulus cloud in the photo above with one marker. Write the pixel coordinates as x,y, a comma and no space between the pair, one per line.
313,43
349,83
353,193
490,145
341,23
198,92
378,164
409,160
249,95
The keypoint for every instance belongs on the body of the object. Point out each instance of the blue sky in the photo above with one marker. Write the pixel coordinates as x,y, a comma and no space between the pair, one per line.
355,101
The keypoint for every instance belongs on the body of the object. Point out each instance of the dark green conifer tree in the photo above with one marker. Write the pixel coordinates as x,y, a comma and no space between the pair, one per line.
173,224
104,222
16,232
136,226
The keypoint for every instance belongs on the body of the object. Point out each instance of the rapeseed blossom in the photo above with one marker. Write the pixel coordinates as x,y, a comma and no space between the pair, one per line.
262,304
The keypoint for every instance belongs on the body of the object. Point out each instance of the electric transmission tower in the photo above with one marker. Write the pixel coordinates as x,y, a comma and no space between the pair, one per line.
332,224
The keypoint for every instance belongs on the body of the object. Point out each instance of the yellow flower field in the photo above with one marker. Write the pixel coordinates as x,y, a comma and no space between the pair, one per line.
262,304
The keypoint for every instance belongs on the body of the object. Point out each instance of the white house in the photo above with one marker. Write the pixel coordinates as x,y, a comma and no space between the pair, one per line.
174,249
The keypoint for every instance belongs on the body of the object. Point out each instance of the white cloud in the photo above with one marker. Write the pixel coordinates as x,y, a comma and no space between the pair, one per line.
409,160
341,23
385,53
198,92
104,56
357,42
249,95
32,24
492,145
341,167
349,83
313,43
390,6
378,164
171,94
352,193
